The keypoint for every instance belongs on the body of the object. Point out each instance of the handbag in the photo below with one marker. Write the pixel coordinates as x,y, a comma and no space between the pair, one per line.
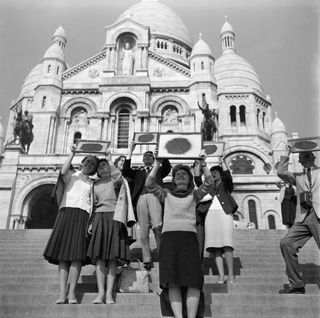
133,280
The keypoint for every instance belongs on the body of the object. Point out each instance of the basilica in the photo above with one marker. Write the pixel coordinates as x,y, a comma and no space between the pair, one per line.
148,77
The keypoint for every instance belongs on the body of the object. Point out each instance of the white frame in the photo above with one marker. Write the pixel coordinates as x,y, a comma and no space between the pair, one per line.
105,145
193,153
154,141
293,144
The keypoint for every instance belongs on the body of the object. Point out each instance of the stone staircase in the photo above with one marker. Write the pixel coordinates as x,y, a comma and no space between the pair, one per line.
29,285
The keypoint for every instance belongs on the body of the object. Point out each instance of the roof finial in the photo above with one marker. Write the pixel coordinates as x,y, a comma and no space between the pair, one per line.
200,36
226,18
276,114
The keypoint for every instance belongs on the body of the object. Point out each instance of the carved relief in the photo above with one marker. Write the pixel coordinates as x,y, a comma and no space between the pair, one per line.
93,73
22,180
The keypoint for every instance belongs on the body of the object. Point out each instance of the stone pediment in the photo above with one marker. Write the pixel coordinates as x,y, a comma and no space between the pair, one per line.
87,71
163,67
127,25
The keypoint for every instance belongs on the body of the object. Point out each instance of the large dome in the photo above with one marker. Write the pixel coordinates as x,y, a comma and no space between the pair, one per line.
160,18
31,81
231,70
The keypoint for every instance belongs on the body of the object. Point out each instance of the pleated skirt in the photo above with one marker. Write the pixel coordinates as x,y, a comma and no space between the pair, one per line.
109,239
68,241
179,260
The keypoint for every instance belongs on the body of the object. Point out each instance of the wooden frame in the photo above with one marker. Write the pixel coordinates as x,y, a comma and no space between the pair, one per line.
179,145
145,138
304,144
213,149
92,146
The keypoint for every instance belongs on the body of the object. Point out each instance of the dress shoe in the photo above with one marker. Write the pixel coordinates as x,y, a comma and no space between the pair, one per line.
291,290
148,266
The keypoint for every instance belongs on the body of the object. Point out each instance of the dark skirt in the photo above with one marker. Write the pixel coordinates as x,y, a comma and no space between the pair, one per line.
179,260
109,239
68,240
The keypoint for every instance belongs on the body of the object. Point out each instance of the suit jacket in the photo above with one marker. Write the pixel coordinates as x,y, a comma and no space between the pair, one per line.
139,177
300,180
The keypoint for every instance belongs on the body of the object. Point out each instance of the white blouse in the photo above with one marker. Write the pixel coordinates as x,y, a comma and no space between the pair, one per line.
77,192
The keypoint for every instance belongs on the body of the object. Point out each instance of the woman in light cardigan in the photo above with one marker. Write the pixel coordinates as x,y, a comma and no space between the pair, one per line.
179,259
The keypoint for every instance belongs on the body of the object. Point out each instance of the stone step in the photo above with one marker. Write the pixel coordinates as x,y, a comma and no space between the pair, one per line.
143,310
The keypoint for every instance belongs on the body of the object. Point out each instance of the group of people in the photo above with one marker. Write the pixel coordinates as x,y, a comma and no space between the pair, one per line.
172,212
85,231
193,214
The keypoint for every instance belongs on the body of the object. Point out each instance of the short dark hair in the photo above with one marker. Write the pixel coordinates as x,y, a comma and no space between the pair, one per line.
149,152
187,169
101,160
96,160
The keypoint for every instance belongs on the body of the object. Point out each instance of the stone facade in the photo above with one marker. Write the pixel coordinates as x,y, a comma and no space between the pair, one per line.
160,90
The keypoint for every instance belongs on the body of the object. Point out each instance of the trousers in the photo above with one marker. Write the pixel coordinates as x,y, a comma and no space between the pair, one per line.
149,212
297,236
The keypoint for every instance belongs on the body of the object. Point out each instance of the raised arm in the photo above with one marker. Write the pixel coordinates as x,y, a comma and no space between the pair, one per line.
126,170
151,184
65,170
282,170
207,185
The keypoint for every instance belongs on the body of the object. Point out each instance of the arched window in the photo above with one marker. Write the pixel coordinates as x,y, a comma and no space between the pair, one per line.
76,137
253,212
236,217
243,115
258,115
233,116
49,68
271,222
263,119
123,128
58,70
44,99
202,65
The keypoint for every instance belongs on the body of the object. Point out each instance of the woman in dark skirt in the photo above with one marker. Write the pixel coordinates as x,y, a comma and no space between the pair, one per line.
109,241
67,245
179,258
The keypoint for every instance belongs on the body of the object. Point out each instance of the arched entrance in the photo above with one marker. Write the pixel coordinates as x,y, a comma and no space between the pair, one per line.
41,211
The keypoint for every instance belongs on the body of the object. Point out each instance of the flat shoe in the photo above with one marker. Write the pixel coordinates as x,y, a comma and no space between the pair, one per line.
221,282
97,301
291,290
110,301
61,301
73,301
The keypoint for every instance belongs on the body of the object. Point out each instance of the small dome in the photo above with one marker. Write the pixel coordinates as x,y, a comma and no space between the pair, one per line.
31,81
201,48
160,18
231,70
277,126
60,32
1,130
55,52
227,27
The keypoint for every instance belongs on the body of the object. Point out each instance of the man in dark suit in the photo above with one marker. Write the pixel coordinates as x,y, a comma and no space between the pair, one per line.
147,207
307,221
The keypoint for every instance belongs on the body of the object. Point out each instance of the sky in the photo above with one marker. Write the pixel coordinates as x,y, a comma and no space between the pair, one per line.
279,38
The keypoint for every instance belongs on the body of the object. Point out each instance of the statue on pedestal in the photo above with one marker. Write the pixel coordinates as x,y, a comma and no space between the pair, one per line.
23,126
208,127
